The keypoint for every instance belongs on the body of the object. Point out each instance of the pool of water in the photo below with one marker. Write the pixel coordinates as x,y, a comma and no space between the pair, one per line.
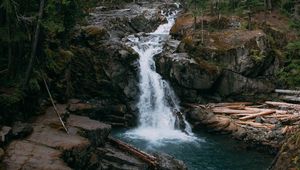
206,152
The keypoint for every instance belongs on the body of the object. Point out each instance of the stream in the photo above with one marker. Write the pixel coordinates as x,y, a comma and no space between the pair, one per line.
159,108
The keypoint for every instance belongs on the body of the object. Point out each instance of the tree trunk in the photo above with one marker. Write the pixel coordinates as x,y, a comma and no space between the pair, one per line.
297,11
269,5
34,45
9,49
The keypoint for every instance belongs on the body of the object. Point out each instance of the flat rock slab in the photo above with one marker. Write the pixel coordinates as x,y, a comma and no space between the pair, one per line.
55,138
95,131
27,155
86,123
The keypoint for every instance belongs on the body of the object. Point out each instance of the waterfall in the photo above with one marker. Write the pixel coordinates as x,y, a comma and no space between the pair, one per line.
157,103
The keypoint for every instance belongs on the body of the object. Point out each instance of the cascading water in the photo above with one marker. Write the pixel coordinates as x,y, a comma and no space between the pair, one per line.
157,102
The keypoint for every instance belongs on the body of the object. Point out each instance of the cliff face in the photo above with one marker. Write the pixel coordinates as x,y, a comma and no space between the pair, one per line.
223,60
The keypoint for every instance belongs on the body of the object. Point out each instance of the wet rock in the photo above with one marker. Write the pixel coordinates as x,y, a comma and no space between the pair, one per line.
167,162
21,130
258,119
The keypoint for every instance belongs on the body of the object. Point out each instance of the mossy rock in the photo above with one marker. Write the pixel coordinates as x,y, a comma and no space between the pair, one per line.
289,154
96,32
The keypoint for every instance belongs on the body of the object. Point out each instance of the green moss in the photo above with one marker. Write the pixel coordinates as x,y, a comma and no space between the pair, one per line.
10,100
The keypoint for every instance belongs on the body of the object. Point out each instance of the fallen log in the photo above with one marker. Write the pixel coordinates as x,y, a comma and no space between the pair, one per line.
289,120
282,91
277,116
256,125
237,107
258,114
149,159
243,114
261,110
291,98
225,110
284,104
233,104
285,129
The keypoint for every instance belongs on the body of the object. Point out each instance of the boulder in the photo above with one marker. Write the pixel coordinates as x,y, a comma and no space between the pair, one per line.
167,162
288,156
5,135
95,32
242,51
233,83
188,72
21,130
95,131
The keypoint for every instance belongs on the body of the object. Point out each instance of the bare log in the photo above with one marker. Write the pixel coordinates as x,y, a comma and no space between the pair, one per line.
151,160
256,125
233,104
282,91
261,110
225,110
258,114
277,116
54,106
237,107
291,98
284,104
289,120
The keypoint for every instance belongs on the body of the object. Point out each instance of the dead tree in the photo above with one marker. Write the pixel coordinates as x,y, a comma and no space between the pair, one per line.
34,45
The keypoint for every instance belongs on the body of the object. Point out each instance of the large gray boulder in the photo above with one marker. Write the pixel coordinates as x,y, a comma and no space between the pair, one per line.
187,72
233,83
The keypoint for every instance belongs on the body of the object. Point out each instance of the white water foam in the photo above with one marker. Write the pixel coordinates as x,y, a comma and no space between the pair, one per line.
157,102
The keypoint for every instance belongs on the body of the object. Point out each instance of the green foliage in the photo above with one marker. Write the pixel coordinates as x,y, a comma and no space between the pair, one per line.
10,100
289,74
257,55
296,25
287,6
293,50
61,15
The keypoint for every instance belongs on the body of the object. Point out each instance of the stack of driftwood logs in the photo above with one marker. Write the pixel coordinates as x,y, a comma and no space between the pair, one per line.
266,115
